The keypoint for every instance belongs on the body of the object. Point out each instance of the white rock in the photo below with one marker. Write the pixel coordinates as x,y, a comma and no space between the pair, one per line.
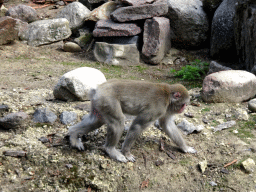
248,165
203,165
229,86
76,84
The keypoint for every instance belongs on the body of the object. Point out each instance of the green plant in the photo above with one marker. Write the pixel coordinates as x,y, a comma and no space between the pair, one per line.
193,72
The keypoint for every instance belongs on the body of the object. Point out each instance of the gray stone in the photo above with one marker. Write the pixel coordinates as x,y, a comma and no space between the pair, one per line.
115,54
122,40
75,13
216,67
229,86
225,125
222,32
22,12
46,31
44,115
189,23
67,117
245,33
156,39
76,84
13,120
71,47
133,13
188,127
107,28
252,105
8,32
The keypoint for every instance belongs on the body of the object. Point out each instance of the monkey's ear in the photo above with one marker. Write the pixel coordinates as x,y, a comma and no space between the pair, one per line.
176,95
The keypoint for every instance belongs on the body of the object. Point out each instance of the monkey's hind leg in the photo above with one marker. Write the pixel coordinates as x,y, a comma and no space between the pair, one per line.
138,125
114,131
88,124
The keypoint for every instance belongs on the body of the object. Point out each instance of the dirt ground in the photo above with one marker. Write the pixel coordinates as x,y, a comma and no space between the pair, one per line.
27,77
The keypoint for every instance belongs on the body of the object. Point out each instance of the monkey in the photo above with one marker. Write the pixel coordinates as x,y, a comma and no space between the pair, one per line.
145,100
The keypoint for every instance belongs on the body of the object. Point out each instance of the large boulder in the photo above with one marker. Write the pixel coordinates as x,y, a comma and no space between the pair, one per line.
75,13
230,86
46,31
22,12
245,33
76,84
116,54
222,32
156,39
189,23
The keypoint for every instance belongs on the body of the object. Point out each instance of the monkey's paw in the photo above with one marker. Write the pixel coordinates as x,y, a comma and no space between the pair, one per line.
190,150
115,154
77,143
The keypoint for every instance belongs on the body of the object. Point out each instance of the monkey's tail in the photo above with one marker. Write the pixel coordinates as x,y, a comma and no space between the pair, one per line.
92,92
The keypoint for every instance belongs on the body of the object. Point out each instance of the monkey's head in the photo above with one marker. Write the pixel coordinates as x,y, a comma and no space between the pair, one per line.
179,98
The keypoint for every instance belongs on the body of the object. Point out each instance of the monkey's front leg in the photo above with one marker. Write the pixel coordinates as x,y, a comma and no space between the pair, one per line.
169,127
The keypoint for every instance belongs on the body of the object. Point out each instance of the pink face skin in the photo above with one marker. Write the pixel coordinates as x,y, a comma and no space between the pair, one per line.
182,108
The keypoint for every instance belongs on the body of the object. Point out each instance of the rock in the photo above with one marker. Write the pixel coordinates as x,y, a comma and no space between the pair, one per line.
75,13
212,183
222,33
137,2
241,114
108,28
189,23
225,125
13,120
46,31
22,12
203,165
229,86
102,12
44,115
249,165
68,117
8,32
156,39
122,40
245,33
115,54
216,67
133,13
71,47
188,127
76,84
252,105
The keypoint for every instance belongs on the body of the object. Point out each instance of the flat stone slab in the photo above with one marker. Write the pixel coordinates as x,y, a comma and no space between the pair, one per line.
108,28
230,86
133,13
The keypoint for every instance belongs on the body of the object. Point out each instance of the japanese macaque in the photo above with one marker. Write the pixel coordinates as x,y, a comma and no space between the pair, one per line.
148,101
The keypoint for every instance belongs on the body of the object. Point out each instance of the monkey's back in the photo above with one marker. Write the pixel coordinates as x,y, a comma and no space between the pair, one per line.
134,97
